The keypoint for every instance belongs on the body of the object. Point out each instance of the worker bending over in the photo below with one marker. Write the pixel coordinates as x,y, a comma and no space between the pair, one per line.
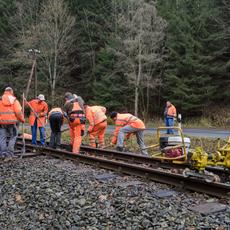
10,115
56,119
37,118
75,114
126,124
170,114
97,124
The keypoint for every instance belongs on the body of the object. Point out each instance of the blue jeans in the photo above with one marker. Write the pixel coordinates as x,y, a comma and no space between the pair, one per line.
169,122
34,134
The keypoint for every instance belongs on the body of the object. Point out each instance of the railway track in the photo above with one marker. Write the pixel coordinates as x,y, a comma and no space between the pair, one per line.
136,165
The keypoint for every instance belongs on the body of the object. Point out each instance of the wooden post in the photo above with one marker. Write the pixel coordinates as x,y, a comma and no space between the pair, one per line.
30,78
35,79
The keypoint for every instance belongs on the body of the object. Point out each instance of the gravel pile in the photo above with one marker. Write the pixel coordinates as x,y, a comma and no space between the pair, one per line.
43,193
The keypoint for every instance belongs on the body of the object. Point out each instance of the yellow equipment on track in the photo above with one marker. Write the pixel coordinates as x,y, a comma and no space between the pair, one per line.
180,152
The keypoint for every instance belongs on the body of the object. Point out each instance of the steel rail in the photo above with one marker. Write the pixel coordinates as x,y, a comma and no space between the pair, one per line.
140,159
215,189
149,161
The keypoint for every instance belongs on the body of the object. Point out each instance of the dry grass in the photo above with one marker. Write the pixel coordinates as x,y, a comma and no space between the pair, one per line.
208,144
213,117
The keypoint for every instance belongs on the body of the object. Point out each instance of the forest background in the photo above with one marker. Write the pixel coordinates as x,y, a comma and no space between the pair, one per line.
128,55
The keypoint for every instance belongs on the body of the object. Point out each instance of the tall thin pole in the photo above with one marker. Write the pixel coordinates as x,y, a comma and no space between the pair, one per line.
34,53
23,127
35,79
30,78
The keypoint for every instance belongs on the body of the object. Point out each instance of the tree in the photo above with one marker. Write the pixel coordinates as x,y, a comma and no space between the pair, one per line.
110,85
55,40
49,27
191,44
220,58
140,33
93,31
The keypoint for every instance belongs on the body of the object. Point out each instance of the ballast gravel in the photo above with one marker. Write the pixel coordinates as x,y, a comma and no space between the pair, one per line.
46,193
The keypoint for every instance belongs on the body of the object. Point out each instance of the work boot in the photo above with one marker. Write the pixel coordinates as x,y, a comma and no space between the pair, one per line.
119,148
144,152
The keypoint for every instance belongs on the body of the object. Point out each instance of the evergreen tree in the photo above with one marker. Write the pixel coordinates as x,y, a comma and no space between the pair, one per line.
187,80
111,88
92,32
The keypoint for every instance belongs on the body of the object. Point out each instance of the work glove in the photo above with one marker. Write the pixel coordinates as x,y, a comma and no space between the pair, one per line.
22,121
41,114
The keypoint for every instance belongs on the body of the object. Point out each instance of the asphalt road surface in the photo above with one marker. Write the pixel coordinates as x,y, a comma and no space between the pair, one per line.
210,133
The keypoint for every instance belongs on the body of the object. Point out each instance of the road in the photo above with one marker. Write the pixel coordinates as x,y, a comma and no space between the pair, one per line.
210,133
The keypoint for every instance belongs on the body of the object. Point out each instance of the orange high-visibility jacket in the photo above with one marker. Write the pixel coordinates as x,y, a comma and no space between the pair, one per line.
95,114
126,119
55,110
171,111
41,109
10,110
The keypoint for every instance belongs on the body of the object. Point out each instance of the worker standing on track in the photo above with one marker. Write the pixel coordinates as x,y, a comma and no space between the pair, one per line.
10,115
169,114
37,118
56,119
126,124
75,114
97,124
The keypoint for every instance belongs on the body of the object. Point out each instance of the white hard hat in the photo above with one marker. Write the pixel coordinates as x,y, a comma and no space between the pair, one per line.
8,89
41,97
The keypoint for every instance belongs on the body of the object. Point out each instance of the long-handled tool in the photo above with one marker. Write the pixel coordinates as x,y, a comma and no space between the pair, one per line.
62,131
23,128
36,115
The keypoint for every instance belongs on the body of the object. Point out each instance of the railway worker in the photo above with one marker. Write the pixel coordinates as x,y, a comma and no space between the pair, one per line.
169,116
75,114
56,118
10,115
127,124
97,124
38,118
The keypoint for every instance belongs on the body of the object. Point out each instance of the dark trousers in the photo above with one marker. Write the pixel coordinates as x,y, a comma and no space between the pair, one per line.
55,120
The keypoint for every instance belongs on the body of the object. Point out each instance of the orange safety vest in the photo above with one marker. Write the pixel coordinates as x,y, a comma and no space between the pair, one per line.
55,110
129,119
126,119
41,109
77,115
171,111
10,110
95,114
